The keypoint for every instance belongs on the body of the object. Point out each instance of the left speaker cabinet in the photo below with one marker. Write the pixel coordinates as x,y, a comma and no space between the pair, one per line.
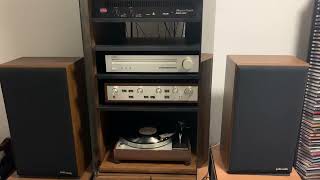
45,102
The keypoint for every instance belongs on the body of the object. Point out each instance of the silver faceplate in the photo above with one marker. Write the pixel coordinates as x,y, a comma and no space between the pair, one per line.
152,63
152,93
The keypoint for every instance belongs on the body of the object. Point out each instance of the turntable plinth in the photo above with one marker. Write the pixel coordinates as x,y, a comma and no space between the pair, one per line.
108,166
152,155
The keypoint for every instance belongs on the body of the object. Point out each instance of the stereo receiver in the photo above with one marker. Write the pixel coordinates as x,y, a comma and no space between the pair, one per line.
152,63
150,93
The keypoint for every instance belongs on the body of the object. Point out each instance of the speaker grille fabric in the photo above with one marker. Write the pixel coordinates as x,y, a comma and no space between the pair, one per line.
268,104
38,110
261,113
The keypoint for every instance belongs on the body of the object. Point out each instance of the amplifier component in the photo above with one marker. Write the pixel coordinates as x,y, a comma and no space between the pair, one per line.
147,9
153,63
136,12
151,93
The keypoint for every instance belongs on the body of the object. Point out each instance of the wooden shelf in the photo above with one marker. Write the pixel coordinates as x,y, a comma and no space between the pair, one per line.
151,45
107,166
132,76
149,108
148,48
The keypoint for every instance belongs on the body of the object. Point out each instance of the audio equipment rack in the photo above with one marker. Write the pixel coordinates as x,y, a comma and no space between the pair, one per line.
126,29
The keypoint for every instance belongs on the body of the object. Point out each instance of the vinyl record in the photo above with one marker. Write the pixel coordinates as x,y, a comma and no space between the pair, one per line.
148,137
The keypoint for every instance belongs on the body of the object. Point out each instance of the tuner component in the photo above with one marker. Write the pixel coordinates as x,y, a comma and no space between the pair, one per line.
187,63
125,93
153,63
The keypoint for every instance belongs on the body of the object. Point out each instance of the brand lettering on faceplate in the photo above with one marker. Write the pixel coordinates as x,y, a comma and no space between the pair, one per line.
65,172
282,169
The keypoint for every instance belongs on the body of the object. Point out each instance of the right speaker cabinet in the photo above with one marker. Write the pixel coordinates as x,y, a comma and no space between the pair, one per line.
262,108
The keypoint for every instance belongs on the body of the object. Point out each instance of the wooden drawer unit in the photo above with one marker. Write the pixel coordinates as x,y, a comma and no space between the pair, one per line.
124,177
173,177
144,177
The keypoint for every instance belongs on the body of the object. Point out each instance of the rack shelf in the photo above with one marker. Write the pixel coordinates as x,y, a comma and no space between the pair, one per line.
149,108
127,76
148,48
105,20
150,44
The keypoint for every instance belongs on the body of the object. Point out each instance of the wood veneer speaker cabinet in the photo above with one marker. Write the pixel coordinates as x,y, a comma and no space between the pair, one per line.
46,107
261,113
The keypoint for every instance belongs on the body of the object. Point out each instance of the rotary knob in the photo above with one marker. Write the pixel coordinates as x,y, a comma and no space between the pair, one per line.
158,90
139,90
115,91
175,90
187,63
188,91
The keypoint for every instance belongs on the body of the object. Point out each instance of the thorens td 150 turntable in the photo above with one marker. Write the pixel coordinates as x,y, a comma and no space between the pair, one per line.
151,143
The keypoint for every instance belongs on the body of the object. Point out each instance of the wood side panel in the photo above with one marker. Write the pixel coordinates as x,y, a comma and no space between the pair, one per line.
206,56
78,109
203,129
228,110
98,147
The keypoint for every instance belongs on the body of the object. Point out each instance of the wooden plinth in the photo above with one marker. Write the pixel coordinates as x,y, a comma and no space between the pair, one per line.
223,175
108,166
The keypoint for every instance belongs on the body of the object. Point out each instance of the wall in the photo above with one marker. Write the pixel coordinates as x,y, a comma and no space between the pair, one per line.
37,28
52,28
208,22
256,27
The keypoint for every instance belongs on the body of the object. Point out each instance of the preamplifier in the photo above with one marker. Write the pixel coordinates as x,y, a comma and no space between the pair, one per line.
152,63
150,93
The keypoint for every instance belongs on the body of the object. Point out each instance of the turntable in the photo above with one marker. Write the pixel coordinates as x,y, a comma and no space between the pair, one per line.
154,144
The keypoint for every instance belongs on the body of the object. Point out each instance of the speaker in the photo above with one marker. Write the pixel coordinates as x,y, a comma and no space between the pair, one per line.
45,101
261,113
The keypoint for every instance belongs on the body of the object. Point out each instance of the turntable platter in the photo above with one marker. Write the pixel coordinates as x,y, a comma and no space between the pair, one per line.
148,138
148,131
